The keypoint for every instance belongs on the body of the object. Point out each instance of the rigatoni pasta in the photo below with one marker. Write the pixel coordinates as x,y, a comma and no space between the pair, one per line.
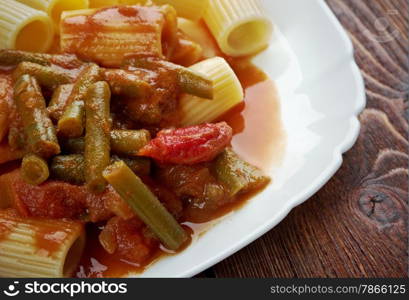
102,3
239,26
121,97
189,9
20,24
33,247
228,92
54,8
121,31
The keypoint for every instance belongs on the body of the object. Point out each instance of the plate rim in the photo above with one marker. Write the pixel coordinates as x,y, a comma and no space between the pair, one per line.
337,156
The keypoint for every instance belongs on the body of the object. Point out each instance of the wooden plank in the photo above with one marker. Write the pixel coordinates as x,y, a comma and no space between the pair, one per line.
357,225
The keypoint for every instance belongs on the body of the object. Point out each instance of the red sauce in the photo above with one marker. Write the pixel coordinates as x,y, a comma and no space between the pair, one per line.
258,133
259,115
96,262
6,224
48,239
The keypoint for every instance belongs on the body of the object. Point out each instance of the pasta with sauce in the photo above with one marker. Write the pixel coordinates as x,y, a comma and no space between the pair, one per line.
54,8
125,129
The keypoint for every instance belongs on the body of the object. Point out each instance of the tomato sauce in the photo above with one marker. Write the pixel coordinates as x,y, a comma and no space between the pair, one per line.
258,138
258,132
48,240
6,227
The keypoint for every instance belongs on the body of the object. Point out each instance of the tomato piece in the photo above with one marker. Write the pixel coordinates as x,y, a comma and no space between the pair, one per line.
126,240
52,199
190,145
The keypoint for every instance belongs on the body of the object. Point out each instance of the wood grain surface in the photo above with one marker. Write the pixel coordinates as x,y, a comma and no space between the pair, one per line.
357,225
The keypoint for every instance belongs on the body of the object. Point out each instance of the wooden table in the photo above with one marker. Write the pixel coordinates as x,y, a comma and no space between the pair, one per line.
357,225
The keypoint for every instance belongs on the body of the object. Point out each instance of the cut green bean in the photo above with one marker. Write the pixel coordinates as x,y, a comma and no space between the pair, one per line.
190,82
125,83
123,142
97,137
68,168
71,124
238,175
141,166
71,167
16,137
129,142
59,101
46,76
73,146
10,57
38,128
145,204
34,169
14,57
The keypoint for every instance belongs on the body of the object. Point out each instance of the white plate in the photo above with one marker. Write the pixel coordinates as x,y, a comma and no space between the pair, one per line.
322,92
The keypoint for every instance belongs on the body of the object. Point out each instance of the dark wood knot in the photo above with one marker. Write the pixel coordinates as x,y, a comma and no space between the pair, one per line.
379,204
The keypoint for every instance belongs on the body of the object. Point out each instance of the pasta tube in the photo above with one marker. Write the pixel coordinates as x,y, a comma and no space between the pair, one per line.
20,23
189,9
39,247
102,3
227,93
151,31
54,8
239,26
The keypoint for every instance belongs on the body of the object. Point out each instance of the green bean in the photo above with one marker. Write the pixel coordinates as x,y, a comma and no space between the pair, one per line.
16,138
125,83
129,142
190,82
34,169
97,138
141,166
238,175
14,57
38,128
46,76
73,146
59,101
71,123
68,168
71,167
146,205
123,142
